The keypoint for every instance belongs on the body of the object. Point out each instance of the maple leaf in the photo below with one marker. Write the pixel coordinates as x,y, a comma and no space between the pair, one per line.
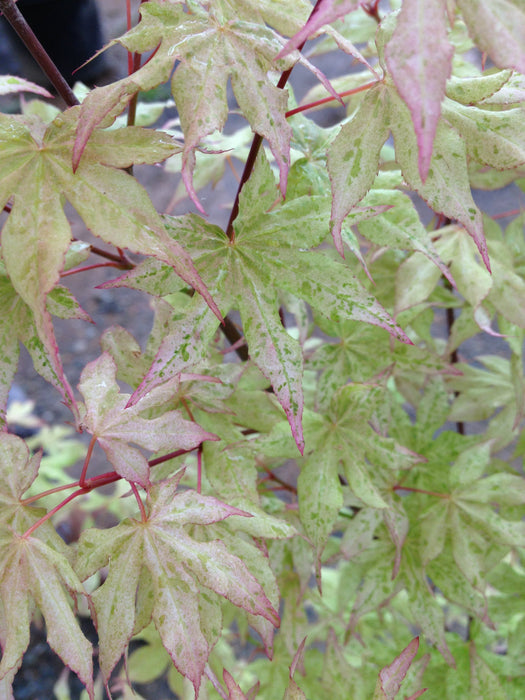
230,45
447,187
419,58
345,442
185,579
34,571
497,27
35,170
106,416
269,252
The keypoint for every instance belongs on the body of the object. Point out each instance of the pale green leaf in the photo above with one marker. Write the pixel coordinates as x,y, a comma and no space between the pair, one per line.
469,91
492,138
320,496
446,189
353,157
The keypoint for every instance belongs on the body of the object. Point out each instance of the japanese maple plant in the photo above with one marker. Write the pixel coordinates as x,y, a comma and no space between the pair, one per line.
320,488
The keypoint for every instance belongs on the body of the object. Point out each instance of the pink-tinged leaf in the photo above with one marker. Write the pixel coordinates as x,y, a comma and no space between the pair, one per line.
12,83
100,108
497,27
326,11
298,659
419,58
106,417
391,677
182,577
447,188
16,610
115,603
17,470
353,158
234,690
418,694
347,46
211,564
228,48
293,692
188,507
177,617
34,571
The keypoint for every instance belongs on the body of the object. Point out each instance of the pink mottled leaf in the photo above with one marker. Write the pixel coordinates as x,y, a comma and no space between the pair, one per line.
34,572
391,677
326,11
230,46
498,27
12,84
186,578
293,692
234,690
106,417
419,58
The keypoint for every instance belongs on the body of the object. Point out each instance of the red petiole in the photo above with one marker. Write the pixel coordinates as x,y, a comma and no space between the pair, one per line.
326,100
84,486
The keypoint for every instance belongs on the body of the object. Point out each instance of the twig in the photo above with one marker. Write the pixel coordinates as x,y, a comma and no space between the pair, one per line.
29,38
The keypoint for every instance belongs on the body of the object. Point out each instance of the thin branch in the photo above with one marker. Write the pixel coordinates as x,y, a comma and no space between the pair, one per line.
255,147
165,458
27,35
54,510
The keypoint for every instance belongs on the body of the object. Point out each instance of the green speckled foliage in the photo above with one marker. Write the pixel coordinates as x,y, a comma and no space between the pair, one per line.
317,454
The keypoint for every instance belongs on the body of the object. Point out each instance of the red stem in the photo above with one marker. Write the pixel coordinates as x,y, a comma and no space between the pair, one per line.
254,150
87,485
82,480
283,486
54,510
504,214
165,458
325,100
143,515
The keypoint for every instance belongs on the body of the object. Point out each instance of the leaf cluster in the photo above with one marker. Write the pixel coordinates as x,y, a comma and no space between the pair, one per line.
306,443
